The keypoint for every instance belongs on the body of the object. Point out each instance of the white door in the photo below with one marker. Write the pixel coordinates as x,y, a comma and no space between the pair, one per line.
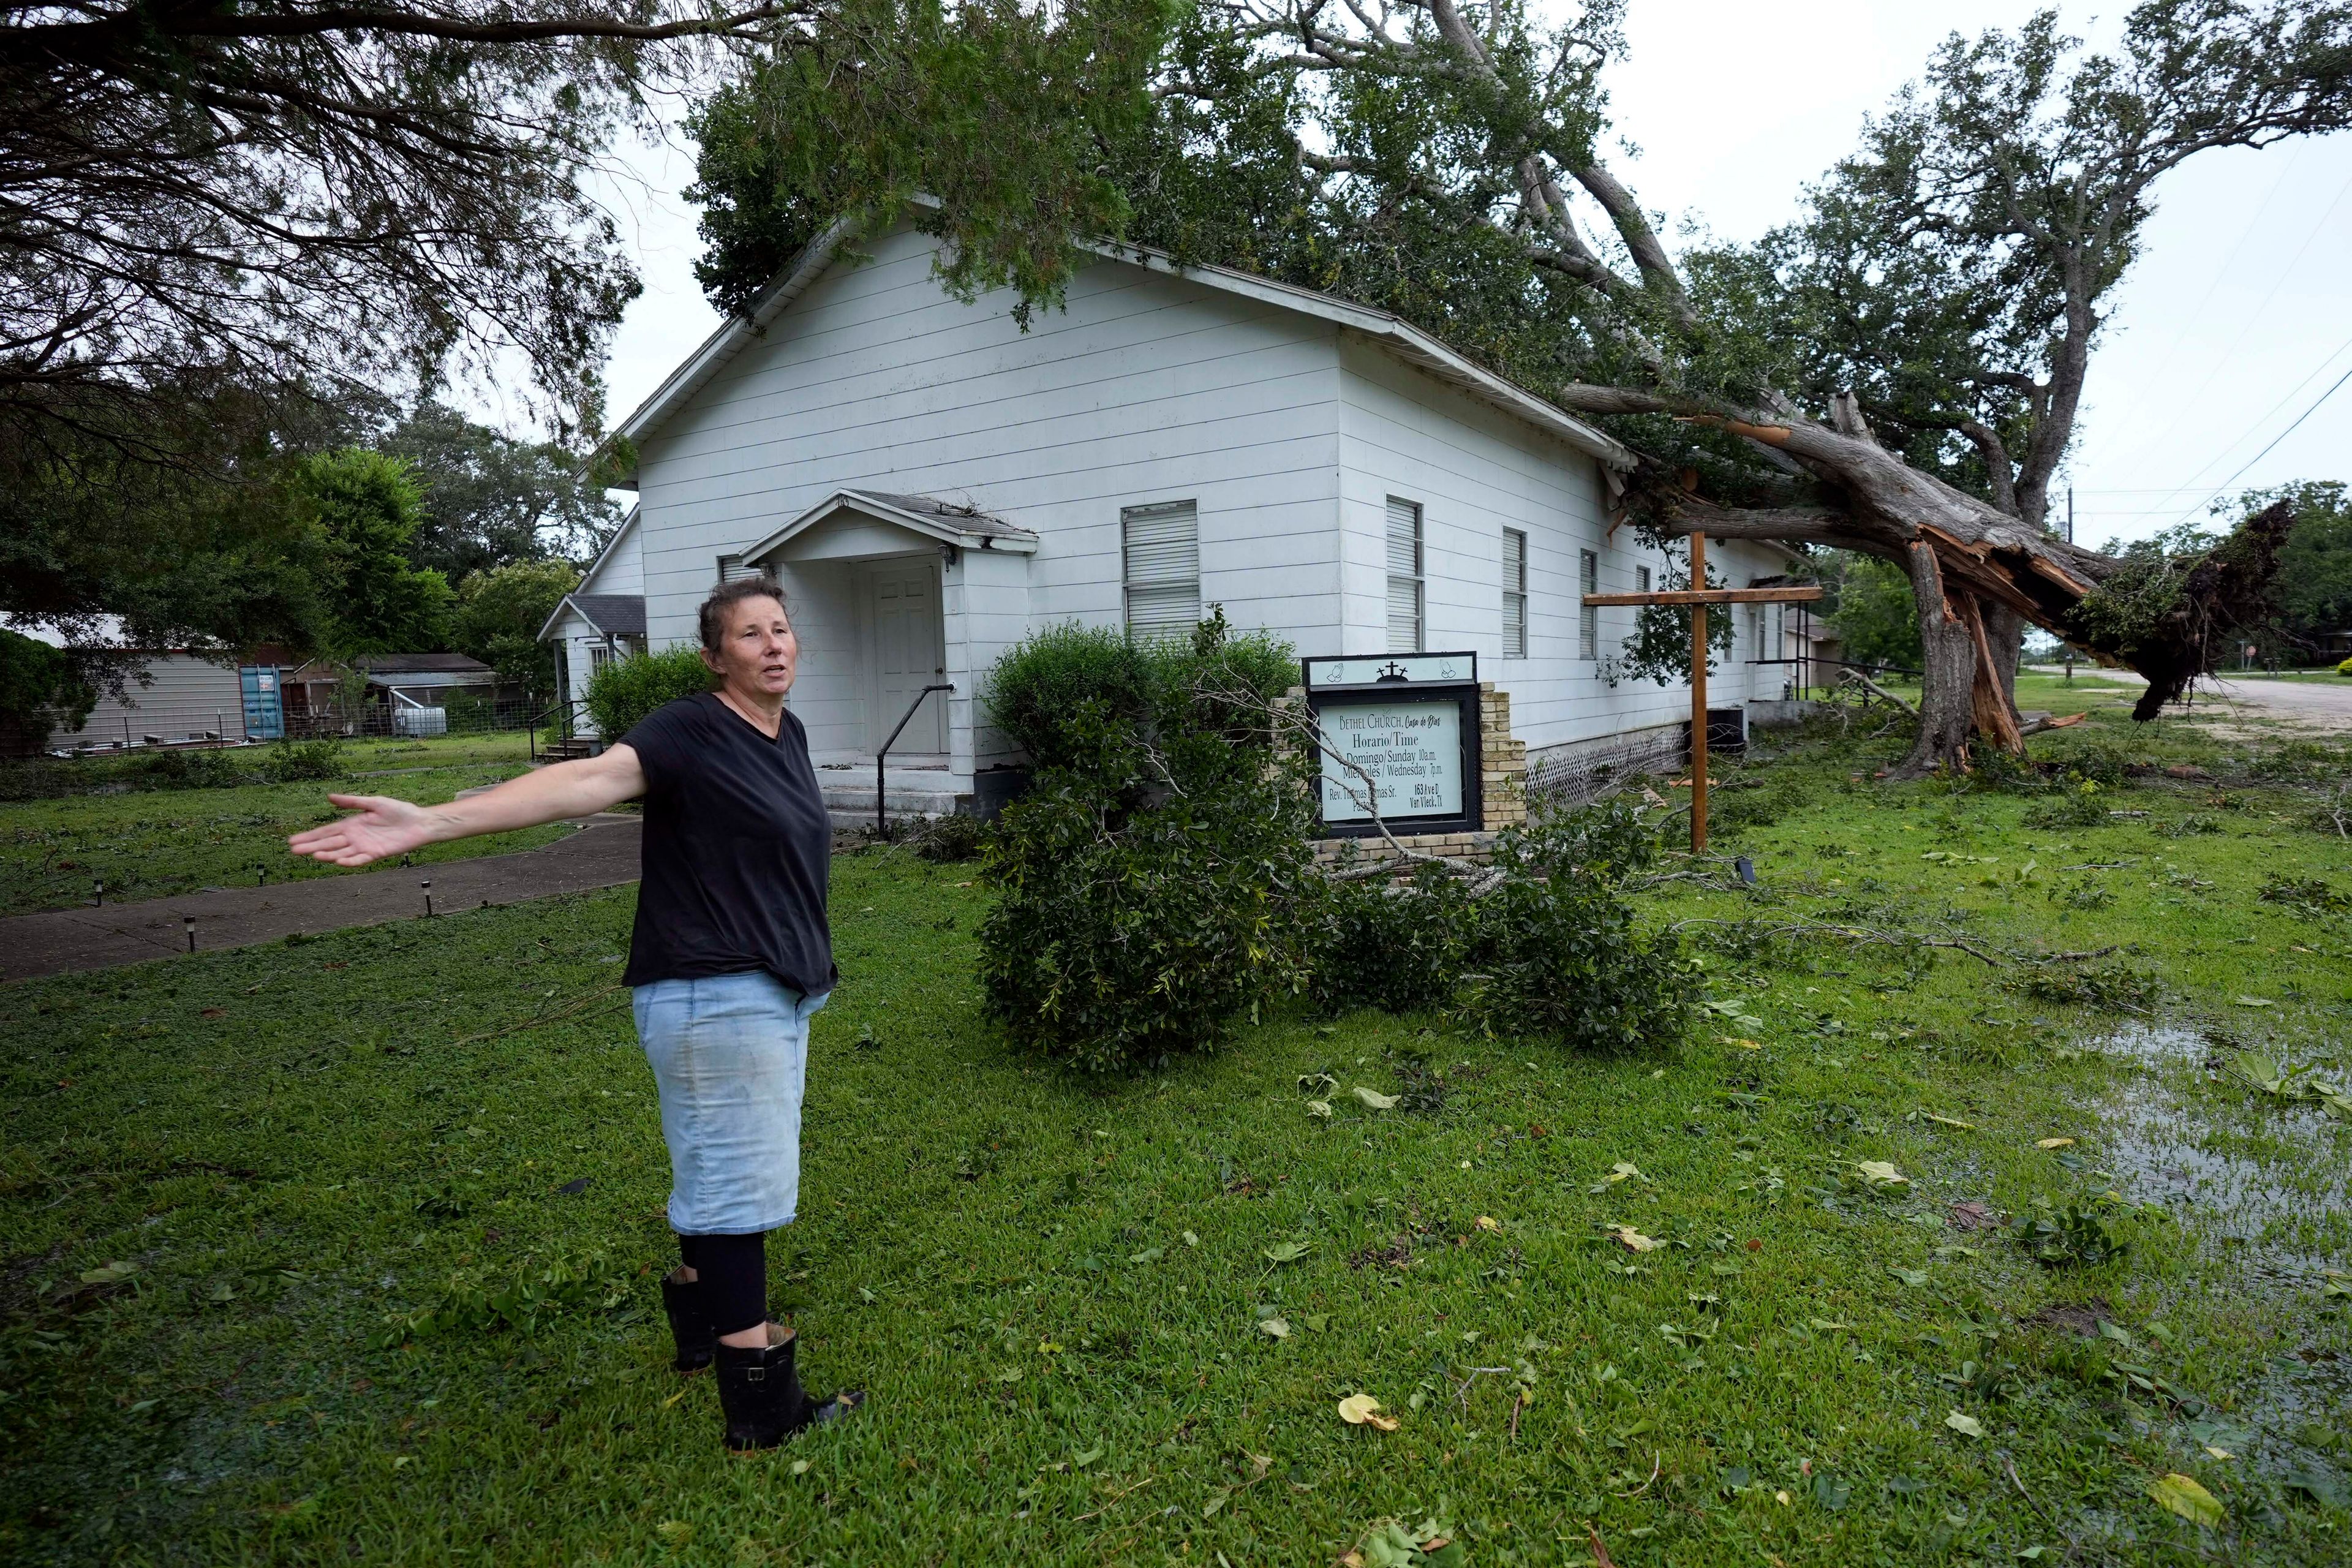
910,653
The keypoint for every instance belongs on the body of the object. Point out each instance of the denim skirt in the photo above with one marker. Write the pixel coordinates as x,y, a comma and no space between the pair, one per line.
730,1053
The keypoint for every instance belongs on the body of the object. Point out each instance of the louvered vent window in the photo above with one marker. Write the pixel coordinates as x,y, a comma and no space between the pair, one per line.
1515,594
1162,546
1640,579
1404,577
734,569
1587,619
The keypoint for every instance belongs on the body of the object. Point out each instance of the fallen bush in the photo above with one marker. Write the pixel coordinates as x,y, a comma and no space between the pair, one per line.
1148,885
1395,946
1157,884
1556,956
1545,949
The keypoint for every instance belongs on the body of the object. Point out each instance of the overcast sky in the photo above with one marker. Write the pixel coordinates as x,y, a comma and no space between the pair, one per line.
2236,319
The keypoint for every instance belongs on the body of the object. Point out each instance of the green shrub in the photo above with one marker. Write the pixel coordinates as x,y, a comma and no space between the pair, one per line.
1063,692
1149,884
1121,936
1039,689
2345,669
1397,947
291,761
627,689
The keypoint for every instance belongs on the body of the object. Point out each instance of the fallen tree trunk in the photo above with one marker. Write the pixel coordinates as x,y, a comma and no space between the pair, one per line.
1969,563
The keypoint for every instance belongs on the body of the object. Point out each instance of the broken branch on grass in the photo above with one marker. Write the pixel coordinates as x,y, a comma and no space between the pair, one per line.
1115,1496
1875,690
1645,1486
1867,936
1463,1393
1292,719
570,1013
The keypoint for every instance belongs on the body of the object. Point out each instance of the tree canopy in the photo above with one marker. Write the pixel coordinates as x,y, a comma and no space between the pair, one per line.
498,617
289,193
491,500
2315,601
360,510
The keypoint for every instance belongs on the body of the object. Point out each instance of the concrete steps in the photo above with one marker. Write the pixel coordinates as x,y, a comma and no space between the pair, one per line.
911,793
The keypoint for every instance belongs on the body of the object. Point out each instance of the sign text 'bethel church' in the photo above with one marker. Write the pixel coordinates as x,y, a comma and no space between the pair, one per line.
1399,735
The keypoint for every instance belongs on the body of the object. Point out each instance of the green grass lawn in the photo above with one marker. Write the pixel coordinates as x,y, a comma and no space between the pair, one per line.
151,843
1113,1322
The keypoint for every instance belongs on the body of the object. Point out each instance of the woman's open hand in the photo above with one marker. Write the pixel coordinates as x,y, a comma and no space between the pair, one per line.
382,826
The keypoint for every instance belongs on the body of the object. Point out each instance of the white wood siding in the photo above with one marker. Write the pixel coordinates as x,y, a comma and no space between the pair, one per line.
1476,471
1144,389
623,569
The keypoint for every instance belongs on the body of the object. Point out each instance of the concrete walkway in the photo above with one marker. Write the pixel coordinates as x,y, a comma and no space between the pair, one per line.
603,854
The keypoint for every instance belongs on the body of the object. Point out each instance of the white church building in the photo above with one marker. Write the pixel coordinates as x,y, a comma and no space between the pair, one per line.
929,482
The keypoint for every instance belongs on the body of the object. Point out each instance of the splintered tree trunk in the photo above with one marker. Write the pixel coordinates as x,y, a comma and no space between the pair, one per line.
2005,632
1990,701
1948,667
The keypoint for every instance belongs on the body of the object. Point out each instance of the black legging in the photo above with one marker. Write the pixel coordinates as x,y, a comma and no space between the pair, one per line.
734,1270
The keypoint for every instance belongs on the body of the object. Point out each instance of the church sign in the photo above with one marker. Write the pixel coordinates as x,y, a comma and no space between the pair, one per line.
1399,735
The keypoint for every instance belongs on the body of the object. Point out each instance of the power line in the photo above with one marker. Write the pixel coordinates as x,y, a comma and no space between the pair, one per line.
2265,452
2248,324
2222,454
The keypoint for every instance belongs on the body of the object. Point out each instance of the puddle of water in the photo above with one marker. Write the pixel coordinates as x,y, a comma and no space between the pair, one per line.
2261,1178
2262,1184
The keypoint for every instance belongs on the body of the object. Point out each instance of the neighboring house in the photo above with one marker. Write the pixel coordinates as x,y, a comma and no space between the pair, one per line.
172,697
931,482
406,694
601,620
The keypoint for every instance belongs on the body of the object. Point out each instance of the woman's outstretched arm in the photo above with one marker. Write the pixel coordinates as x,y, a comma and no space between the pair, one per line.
386,827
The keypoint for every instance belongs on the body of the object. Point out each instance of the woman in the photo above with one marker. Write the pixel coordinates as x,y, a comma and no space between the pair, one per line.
730,959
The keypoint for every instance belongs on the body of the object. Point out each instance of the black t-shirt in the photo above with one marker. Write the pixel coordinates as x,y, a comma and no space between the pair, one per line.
737,849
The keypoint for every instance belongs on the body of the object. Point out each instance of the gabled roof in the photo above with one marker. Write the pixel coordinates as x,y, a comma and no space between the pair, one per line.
1389,332
608,615
928,515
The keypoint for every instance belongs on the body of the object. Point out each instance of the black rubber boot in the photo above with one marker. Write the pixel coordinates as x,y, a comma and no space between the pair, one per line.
760,1392
689,1321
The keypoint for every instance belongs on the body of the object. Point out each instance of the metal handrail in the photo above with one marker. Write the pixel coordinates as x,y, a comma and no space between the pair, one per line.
567,709
881,792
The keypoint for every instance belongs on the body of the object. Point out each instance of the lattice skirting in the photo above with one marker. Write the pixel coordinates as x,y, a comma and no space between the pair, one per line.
1578,771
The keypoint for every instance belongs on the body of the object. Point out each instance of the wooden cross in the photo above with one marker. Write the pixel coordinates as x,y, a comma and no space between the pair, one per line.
1698,598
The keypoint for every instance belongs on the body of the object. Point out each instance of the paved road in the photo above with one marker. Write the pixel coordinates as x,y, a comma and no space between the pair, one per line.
2325,705
603,854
